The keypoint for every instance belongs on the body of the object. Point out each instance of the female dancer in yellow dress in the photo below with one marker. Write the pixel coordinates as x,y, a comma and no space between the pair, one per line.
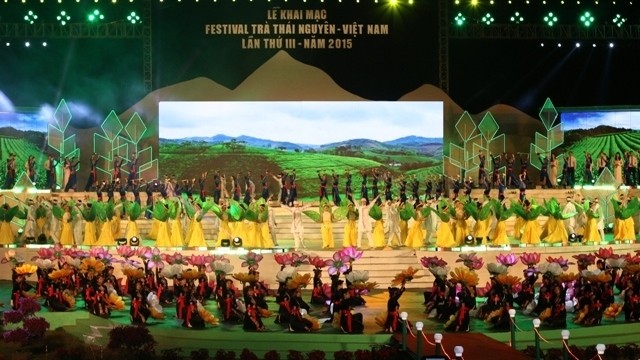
265,240
482,215
555,230
134,211
529,212
591,228
461,228
350,228
175,214
105,213
415,237
89,216
66,234
327,227
623,226
115,220
6,216
499,235
375,212
224,232
444,235
161,213
196,235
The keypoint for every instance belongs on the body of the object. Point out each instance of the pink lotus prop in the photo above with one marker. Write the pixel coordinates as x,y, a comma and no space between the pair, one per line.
584,260
299,259
352,252
432,261
44,253
471,261
604,254
154,259
126,251
507,260
317,262
283,259
251,260
199,260
338,264
564,263
530,259
174,259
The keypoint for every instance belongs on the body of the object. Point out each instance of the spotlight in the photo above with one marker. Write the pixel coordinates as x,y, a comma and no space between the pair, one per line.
237,242
225,242
577,44
20,231
573,237
611,45
121,241
468,239
134,241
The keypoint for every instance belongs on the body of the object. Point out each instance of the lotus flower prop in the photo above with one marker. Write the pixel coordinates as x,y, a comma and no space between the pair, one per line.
98,252
338,264
317,262
174,259
497,269
508,280
352,252
141,250
550,269
199,261
126,251
220,258
299,259
220,267
584,260
564,263
74,262
471,261
154,259
285,274
26,269
604,253
10,257
245,278
43,253
283,259
61,274
568,277
133,272
355,276
632,268
171,271
596,276
440,271
507,259
59,252
464,276
618,263
484,291
298,281
530,259
405,276
432,261
251,260
632,260
92,265
189,274
44,264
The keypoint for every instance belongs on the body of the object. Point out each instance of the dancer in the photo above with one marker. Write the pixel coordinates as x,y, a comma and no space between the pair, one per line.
297,226
10,172
364,223
350,228
92,180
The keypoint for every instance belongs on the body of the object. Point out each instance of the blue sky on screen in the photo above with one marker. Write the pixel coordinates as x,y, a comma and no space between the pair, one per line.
302,122
23,121
590,120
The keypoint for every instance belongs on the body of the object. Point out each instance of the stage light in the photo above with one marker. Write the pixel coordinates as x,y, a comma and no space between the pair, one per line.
577,44
488,19
27,44
594,44
121,241
474,2
517,18
541,44
611,45
459,19
237,242
44,44
225,242
31,17
468,240
134,241
573,237
618,20
550,19
63,18
587,19
559,45
133,18
94,16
